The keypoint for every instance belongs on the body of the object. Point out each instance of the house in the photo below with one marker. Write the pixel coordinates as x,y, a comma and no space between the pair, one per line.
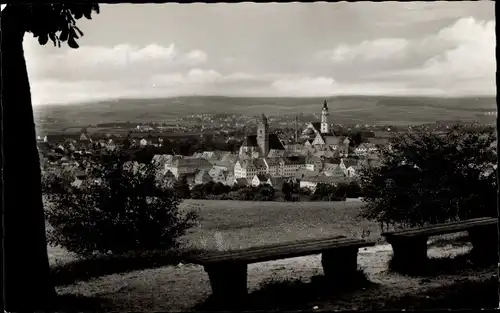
365,148
301,173
218,175
202,177
209,155
349,162
334,170
272,166
311,130
229,179
161,160
276,153
258,180
226,166
288,166
77,183
244,169
352,171
184,166
313,163
248,168
83,137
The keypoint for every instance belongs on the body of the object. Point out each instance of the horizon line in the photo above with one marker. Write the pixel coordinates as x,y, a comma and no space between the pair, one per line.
264,97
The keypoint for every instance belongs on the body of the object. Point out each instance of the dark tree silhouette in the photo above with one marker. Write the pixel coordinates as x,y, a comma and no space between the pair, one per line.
429,178
27,282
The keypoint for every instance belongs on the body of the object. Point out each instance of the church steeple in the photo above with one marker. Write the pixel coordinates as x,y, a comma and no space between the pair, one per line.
263,136
324,119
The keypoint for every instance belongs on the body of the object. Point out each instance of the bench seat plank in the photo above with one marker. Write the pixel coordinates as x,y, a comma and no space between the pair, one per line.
441,229
282,251
236,252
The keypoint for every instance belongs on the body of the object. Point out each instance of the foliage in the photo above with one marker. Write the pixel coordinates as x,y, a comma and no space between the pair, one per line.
56,22
264,192
325,192
431,178
181,187
121,208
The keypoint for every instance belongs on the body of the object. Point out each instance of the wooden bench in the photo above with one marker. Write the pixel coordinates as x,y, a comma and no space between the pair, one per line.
410,245
228,270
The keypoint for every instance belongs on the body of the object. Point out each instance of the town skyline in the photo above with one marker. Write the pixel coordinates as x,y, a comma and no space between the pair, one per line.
443,49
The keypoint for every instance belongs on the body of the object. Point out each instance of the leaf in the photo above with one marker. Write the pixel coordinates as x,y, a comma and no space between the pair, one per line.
87,15
78,14
73,33
43,39
72,43
79,31
52,37
64,35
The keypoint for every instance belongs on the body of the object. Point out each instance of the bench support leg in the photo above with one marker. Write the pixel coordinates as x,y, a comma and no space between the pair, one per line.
485,246
409,254
228,282
340,265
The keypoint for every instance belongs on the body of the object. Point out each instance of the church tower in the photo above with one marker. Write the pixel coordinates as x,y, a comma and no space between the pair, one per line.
263,136
324,119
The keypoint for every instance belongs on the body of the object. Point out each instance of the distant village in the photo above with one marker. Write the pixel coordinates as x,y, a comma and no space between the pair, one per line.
314,155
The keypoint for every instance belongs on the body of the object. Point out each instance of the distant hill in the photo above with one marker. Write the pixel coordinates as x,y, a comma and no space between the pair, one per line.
343,109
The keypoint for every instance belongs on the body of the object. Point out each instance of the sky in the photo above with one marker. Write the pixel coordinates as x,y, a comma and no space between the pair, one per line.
272,49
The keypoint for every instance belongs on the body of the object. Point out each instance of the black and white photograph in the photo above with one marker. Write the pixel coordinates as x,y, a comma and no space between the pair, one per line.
194,157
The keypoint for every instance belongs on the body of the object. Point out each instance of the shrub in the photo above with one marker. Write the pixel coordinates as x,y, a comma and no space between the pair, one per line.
121,208
429,178
264,192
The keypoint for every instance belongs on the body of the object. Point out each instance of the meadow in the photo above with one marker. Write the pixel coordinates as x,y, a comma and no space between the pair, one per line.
224,225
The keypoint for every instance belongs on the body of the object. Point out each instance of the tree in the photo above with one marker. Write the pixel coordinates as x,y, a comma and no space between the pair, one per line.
264,192
430,178
26,281
181,186
121,208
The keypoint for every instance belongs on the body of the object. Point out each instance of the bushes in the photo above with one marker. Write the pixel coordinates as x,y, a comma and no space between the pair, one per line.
429,178
120,209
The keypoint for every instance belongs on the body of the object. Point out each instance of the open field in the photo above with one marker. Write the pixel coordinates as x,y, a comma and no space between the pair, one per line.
239,224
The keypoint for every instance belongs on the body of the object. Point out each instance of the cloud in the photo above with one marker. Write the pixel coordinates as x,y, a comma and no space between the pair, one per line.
95,62
370,50
459,59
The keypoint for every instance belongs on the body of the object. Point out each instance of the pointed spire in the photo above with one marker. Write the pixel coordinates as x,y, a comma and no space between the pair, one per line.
325,105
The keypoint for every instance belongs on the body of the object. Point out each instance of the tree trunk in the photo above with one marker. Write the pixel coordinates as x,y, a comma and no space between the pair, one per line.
26,276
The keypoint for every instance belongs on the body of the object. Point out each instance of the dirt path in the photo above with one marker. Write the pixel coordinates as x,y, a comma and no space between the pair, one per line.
179,288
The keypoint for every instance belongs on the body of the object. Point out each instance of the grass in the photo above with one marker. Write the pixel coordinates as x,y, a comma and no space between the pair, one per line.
242,224
226,225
